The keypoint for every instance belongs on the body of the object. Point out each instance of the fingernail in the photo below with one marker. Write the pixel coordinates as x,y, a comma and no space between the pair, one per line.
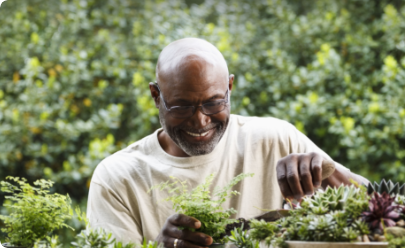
197,224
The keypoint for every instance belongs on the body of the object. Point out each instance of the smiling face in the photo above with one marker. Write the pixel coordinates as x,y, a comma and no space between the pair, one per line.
192,78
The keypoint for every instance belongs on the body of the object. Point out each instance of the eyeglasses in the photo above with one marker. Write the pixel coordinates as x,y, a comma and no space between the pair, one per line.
209,108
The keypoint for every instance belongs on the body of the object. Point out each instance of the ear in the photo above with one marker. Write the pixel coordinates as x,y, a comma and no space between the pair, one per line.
231,78
154,93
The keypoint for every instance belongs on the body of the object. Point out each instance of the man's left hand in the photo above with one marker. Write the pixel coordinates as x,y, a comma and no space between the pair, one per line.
298,174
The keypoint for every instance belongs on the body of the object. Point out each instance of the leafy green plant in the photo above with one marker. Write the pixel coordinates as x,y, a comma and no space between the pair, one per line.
53,242
100,238
34,211
262,230
200,204
395,242
241,239
149,244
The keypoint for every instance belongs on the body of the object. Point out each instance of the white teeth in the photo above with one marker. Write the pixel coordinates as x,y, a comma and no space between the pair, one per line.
197,134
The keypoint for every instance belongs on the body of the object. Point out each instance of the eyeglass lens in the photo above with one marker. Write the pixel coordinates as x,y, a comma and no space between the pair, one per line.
209,108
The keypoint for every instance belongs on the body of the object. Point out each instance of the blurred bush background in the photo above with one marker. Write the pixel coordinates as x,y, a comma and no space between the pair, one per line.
74,77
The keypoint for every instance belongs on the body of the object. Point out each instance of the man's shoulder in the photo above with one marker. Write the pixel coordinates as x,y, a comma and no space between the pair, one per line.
132,151
126,161
260,124
263,133
262,129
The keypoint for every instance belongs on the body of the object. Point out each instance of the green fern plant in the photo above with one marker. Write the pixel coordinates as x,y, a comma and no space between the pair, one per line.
34,211
202,205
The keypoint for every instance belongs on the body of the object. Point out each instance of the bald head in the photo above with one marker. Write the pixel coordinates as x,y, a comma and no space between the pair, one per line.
190,58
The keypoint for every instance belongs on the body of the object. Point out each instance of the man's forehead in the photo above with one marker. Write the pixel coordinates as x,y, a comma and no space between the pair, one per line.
189,58
187,63
195,93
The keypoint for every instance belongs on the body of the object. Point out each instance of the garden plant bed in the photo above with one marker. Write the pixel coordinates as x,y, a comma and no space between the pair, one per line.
302,244
348,216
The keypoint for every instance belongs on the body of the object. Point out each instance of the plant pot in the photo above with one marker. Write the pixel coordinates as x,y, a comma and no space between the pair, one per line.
303,244
218,245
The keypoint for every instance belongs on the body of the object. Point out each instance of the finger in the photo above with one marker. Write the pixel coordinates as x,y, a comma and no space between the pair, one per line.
180,244
305,174
184,221
197,238
316,170
293,178
282,180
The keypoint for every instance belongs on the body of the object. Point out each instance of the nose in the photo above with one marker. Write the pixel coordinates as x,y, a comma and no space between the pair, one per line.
199,120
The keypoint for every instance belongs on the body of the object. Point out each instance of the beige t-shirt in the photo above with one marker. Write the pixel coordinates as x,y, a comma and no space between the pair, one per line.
118,199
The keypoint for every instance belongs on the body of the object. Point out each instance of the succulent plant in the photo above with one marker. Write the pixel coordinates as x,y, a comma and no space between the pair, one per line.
240,238
93,238
388,187
343,214
333,199
381,210
400,200
149,244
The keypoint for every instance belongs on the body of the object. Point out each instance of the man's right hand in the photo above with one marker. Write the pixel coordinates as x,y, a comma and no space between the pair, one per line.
186,238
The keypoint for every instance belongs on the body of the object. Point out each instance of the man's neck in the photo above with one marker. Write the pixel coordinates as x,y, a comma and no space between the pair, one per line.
169,146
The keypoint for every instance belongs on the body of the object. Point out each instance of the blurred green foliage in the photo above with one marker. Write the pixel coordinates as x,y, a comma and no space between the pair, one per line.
74,77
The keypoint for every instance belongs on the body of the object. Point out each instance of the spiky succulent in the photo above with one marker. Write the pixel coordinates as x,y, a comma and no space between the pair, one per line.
381,210
240,238
388,187
350,198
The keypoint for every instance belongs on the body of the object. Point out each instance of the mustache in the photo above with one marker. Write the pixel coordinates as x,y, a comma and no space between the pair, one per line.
203,130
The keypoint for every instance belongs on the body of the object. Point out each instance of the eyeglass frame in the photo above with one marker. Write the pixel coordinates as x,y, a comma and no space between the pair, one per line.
226,99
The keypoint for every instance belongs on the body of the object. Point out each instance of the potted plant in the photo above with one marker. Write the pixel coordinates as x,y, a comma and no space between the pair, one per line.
202,205
339,217
33,212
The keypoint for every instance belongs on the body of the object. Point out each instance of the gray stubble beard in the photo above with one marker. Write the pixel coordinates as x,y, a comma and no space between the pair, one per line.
195,149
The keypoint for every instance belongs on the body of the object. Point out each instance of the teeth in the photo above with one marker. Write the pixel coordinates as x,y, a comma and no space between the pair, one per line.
197,134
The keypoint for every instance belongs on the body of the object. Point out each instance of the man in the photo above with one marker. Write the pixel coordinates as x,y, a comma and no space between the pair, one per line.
199,136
